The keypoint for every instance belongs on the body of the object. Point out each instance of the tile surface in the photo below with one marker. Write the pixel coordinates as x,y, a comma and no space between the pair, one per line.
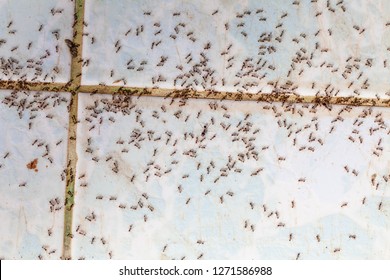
230,180
32,40
337,48
33,146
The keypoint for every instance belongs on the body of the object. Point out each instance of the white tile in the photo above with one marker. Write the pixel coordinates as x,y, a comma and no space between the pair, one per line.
302,192
43,24
32,193
266,41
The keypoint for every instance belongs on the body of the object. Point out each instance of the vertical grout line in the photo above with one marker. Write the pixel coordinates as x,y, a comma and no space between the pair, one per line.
78,28
76,72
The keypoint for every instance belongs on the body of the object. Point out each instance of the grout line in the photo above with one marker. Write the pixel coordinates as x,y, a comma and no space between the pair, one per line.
70,177
76,71
272,97
75,86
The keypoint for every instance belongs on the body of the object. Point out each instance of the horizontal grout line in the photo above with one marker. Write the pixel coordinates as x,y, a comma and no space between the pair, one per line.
267,97
185,93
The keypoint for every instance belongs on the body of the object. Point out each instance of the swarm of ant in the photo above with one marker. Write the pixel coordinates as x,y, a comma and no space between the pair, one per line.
179,178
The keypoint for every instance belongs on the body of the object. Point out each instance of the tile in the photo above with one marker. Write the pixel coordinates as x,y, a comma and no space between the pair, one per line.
163,179
32,40
308,47
33,146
